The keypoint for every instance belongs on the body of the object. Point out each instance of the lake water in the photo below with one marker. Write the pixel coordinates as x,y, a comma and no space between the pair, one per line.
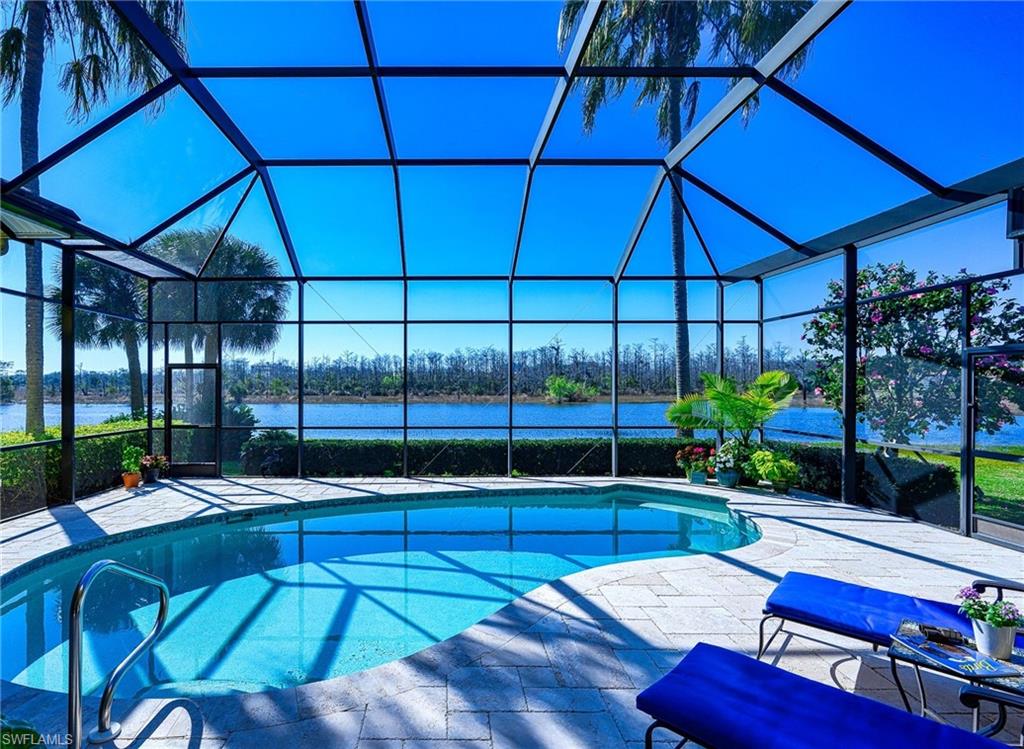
435,420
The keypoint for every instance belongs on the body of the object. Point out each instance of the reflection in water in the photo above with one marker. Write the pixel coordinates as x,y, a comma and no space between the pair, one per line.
316,595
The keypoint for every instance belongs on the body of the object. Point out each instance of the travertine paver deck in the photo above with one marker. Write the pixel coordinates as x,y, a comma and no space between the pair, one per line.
559,667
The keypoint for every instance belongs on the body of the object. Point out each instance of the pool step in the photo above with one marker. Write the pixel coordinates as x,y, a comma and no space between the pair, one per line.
200,688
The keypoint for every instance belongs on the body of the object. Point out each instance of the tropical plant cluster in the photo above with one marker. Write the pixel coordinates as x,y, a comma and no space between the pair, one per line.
723,406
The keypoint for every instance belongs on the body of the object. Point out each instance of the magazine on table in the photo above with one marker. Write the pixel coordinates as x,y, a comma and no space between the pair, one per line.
959,658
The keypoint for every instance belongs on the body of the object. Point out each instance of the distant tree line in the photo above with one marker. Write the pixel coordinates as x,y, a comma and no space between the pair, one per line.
645,369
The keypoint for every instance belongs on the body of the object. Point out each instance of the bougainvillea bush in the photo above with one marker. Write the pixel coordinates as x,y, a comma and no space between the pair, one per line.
908,351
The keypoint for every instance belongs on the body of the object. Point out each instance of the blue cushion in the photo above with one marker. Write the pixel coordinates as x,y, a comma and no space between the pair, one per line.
722,699
867,614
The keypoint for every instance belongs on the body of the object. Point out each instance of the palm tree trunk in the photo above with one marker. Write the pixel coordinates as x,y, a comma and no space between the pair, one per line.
190,385
131,348
209,396
683,383
209,381
32,86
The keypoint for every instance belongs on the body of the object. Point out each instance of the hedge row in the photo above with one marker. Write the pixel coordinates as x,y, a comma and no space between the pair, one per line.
903,485
277,454
29,475
899,484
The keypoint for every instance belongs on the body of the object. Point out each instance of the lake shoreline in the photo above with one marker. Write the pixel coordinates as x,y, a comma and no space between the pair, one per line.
448,400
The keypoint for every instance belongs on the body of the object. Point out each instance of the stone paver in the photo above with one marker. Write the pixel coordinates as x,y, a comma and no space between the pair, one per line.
559,667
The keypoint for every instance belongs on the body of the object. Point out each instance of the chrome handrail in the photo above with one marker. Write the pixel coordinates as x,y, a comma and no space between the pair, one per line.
105,730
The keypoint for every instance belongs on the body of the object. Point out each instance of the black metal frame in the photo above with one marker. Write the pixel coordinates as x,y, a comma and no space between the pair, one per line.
943,201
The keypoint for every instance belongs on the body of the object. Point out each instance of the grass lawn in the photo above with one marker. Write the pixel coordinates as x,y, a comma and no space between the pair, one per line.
1001,483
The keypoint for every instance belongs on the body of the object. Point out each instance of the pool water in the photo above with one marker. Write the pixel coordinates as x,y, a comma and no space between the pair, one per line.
281,600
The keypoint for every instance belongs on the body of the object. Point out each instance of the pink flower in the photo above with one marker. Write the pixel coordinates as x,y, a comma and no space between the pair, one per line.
926,349
876,317
817,391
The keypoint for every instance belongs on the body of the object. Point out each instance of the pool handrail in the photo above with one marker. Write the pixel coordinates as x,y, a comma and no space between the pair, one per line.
105,730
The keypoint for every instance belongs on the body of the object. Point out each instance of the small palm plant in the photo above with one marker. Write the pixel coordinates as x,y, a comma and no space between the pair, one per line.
722,405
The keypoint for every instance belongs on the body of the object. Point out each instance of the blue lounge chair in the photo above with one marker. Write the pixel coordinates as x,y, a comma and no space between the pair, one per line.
725,700
867,614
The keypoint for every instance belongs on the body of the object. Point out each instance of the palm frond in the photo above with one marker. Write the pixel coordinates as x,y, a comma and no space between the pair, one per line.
12,62
568,20
693,411
85,81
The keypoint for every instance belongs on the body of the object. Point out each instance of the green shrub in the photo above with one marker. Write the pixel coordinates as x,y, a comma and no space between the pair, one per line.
562,389
774,467
30,475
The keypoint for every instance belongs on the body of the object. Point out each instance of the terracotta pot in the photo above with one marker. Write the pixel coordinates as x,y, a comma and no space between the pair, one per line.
131,480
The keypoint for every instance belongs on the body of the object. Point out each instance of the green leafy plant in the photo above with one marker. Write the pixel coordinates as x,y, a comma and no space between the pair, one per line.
723,406
997,613
131,458
774,467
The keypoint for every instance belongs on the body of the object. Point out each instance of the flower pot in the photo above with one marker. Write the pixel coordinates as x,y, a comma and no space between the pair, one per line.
698,477
780,487
995,642
151,475
131,479
728,478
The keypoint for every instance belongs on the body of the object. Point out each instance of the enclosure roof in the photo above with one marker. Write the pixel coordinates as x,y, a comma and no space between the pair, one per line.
385,139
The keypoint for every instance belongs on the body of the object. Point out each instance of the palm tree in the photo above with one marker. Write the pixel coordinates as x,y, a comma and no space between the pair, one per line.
106,54
723,407
259,301
670,33
101,287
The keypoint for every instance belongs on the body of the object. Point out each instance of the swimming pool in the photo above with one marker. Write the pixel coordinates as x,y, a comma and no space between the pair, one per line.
280,599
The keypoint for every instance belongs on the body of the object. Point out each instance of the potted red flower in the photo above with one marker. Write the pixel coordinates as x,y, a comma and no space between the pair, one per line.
697,462
151,466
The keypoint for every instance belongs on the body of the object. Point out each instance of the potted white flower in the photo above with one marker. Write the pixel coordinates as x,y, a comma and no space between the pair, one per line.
995,623
725,465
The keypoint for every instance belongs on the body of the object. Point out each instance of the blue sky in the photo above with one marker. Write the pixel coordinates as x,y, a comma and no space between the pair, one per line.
935,82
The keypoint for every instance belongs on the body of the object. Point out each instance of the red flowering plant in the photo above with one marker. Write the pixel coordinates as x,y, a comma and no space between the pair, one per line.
696,458
154,462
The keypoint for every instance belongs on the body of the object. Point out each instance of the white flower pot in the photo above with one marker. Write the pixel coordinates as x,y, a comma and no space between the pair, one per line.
995,642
